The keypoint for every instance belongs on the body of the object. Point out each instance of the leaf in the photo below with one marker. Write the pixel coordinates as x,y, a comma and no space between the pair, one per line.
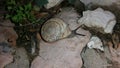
28,7
21,8
9,7
11,2
41,2
15,18
7,16
31,18
71,1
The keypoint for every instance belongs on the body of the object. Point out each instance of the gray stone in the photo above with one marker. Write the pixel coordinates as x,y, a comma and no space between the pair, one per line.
8,34
20,59
69,16
96,43
98,18
96,59
63,53
5,59
99,2
52,3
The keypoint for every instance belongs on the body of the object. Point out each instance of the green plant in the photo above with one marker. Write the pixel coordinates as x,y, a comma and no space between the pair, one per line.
19,13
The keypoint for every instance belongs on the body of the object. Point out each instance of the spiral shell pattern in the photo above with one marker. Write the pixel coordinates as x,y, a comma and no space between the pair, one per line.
54,29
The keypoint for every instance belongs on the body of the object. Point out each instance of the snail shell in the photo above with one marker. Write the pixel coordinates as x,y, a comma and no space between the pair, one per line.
54,29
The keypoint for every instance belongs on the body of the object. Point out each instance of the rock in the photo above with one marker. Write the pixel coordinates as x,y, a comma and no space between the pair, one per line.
54,29
5,54
52,3
69,16
20,59
98,18
96,59
64,53
5,59
2,38
115,55
7,32
99,2
96,43
8,37
5,47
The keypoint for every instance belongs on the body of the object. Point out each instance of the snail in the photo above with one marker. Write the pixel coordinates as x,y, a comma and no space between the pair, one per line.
56,29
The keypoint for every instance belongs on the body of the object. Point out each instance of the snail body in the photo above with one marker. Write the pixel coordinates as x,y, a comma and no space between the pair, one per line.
56,29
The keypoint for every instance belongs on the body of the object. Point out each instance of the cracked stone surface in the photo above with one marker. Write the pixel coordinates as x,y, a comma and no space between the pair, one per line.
64,53
5,59
20,59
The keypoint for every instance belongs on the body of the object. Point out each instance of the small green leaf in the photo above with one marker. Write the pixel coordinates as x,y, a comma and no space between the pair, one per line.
15,18
28,7
11,2
7,16
21,8
9,7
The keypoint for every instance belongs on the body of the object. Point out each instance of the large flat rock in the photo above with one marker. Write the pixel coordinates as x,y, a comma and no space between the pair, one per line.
64,53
